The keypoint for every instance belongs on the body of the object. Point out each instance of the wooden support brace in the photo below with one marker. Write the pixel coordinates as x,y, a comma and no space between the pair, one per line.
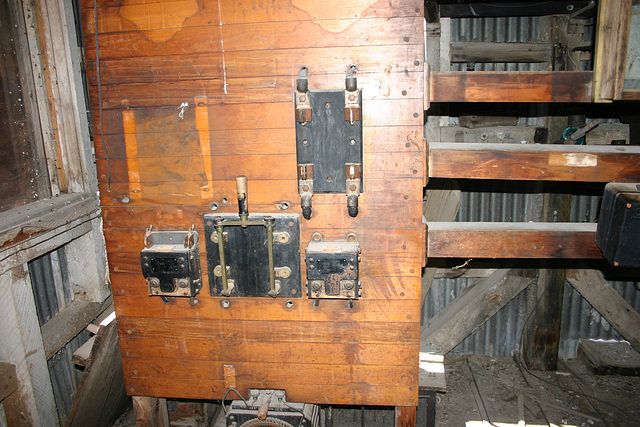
477,304
616,310
405,416
131,145
202,124
8,380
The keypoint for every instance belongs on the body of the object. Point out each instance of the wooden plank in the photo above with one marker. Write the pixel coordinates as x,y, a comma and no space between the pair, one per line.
616,310
257,36
166,92
266,195
150,411
500,52
351,394
267,352
505,86
605,358
101,397
277,62
8,380
256,141
287,371
255,167
384,240
64,326
110,19
477,304
535,162
280,331
512,240
267,309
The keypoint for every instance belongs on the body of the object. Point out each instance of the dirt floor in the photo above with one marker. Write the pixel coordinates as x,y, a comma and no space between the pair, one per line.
501,392
487,391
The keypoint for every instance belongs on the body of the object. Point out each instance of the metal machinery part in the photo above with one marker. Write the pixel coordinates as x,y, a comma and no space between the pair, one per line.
257,255
619,224
329,141
171,263
333,268
269,408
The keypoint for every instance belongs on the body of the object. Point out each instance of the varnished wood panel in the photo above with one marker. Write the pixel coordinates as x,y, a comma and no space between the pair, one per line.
235,64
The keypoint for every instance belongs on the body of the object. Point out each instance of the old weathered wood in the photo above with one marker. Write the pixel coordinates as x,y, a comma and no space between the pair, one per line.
8,379
150,411
535,162
500,52
474,307
64,326
610,49
82,355
33,402
512,240
616,310
503,134
101,396
605,358
506,86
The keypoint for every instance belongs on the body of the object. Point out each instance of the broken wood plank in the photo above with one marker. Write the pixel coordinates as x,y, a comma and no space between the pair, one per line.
477,304
8,380
542,162
500,52
512,240
61,329
506,86
101,396
604,358
600,294
82,355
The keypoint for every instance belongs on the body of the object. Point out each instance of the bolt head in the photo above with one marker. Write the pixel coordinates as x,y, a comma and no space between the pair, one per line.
316,286
352,97
352,187
348,285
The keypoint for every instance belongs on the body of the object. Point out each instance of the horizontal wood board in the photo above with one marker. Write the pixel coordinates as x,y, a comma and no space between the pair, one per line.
194,94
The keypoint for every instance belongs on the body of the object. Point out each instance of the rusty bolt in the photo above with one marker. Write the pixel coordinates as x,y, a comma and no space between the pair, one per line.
348,284
305,188
183,283
352,187
352,97
316,286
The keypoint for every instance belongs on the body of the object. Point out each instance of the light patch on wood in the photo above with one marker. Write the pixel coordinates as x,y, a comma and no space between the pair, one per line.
334,19
158,21
581,160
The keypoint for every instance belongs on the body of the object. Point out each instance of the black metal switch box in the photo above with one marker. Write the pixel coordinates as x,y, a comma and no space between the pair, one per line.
618,233
171,263
333,270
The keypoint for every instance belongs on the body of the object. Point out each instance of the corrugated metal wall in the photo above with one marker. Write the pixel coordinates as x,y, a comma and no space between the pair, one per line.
504,201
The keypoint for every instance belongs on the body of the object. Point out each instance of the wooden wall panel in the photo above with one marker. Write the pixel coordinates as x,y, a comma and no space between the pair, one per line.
235,65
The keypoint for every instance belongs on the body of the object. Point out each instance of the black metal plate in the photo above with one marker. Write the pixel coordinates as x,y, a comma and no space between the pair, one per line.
328,145
247,256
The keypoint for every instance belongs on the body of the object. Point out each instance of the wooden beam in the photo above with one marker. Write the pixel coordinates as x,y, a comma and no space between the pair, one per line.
535,162
512,240
616,310
101,396
506,86
61,329
8,380
477,304
500,52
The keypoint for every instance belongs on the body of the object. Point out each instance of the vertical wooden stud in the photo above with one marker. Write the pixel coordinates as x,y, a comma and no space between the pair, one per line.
406,416
202,124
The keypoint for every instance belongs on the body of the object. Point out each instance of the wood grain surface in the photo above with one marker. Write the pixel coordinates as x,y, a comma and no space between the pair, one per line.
195,93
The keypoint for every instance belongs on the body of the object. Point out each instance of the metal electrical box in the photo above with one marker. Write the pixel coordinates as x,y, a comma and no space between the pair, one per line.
333,269
618,233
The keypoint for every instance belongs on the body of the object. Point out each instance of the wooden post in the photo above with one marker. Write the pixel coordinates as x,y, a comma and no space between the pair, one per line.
406,416
150,411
